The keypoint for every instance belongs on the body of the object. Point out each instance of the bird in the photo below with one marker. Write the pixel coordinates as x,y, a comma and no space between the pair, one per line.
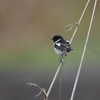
61,46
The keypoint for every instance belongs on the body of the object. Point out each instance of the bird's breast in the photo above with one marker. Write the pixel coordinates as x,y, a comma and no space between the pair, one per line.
59,52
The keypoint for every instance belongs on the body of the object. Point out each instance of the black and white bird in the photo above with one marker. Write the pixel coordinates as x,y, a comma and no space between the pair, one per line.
61,46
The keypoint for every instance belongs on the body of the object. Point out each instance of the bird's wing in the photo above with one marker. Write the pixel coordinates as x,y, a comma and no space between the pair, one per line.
61,46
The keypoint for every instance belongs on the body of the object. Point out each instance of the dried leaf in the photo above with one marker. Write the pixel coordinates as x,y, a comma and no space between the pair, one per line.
70,25
41,90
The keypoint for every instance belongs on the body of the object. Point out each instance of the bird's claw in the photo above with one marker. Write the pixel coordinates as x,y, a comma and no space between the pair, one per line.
61,62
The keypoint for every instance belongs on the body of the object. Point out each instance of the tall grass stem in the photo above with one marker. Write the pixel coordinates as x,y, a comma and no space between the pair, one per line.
79,21
84,50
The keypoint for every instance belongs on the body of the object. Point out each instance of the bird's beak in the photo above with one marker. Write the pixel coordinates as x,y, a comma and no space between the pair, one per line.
51,38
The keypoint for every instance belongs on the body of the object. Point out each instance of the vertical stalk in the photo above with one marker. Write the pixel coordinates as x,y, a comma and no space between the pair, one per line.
80,65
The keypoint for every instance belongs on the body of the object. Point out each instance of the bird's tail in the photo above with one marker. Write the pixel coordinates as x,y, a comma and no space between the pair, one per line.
69,49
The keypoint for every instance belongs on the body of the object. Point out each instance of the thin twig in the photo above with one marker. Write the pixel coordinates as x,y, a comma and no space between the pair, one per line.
80,65
54,78
79,21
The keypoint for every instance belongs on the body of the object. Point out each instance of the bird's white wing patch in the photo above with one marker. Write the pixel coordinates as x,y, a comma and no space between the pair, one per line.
58,44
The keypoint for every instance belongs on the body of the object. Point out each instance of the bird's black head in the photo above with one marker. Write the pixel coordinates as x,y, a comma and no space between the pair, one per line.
56,37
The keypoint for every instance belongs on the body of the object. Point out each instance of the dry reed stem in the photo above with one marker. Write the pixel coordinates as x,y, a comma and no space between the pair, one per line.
84,50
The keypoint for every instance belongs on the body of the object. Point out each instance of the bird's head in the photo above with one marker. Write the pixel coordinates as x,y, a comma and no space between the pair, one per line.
56,37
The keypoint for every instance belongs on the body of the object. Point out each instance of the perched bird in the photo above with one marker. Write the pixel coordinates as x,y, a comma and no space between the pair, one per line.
61,46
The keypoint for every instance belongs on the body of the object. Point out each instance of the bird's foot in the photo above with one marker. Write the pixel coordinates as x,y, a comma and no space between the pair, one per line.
61,62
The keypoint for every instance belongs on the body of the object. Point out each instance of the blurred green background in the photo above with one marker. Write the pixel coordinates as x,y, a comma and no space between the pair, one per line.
27,55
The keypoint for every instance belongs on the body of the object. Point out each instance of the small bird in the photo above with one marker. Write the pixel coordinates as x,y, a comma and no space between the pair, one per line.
61,46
